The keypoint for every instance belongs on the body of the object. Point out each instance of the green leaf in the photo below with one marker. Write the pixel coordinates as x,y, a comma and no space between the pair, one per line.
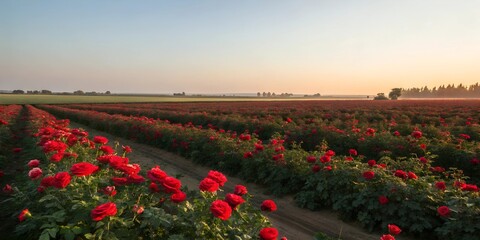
52,232
45,236
70,236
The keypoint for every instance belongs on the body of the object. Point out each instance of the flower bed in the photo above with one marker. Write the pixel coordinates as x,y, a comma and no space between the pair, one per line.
79,187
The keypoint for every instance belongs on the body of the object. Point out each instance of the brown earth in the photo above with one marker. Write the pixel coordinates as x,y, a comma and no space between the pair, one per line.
290,220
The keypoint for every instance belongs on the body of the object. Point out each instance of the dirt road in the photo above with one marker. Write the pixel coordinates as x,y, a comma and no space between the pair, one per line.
291,221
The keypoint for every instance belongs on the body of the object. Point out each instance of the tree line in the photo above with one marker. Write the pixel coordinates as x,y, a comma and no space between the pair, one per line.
78,92
449,91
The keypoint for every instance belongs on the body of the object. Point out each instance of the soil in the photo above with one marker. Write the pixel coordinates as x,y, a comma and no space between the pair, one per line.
290,220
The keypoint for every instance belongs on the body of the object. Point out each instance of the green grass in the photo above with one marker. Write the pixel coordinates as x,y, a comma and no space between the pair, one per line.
60,99
64,99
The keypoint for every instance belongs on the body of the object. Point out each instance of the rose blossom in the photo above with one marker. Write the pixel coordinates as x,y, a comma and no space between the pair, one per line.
268,205
268,233
35,173
221,209
208,185
103,210
33,163
443,211
83,169
394,229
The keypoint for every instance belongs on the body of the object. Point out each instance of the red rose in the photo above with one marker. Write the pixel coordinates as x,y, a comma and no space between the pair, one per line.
171,185
372,163
369,175
119,181
100,140
444,211
62,179
311,159
470,187
35,173
178,197
127,149
7,189
268,233
103,210
83,169
383,200
423,160
330,153
394,229
441,186
387,237
33,163
135,179
401,174
240,190
104,158
234,200
156,174
325,158
417,134
130,169
352,152
221,209
248,155
23,215
217,177
57,157
412,175
208,185
153,187
268,205
117,161
48,181
106,149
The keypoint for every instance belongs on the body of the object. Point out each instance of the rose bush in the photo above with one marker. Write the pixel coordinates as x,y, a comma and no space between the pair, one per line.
75,197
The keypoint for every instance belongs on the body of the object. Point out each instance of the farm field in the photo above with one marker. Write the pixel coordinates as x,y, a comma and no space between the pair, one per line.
64,99
412,164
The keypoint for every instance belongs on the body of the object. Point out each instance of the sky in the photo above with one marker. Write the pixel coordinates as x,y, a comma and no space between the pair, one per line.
326,47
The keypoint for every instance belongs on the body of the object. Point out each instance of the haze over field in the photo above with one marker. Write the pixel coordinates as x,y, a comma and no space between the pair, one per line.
330,47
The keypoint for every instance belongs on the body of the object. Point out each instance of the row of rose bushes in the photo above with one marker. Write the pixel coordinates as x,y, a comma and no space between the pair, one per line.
8,117
81,188
423,199
373,133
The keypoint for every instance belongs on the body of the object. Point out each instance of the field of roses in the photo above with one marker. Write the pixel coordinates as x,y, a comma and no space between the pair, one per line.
412,164
61,183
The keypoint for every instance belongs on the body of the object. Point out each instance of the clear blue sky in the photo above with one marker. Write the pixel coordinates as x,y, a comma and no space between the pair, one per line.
330,47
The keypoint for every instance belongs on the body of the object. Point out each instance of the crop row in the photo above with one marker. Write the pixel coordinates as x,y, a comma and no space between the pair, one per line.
423,199
450,132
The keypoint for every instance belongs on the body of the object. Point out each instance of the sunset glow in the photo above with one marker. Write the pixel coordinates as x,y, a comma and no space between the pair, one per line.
329,47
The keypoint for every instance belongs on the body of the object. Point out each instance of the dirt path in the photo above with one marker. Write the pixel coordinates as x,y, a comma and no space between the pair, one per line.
291,221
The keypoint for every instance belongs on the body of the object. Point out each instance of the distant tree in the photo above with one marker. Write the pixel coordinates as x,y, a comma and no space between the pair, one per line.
269,94
107,92
259,94
36,92
79,92
18,91
396,93
380,96
264,94
46,92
